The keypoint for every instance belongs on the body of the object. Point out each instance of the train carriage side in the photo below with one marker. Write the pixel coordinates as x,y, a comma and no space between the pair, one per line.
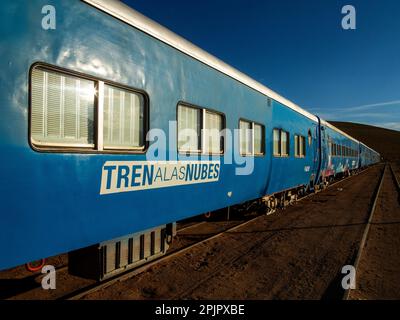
341,152
85,178
74,194
79,174
293,150
368,156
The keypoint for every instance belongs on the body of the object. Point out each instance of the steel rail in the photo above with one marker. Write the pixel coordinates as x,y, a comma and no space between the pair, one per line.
80,293
361,247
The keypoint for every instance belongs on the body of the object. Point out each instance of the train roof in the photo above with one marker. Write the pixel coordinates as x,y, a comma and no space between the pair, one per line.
326,123
345,134
137,20
370,148
130,16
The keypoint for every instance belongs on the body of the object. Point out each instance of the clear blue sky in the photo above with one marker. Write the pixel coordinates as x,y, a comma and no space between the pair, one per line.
299,49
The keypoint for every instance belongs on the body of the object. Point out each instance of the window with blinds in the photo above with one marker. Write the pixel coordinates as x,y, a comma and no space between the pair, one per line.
73,112
299,146
123,119
277,145
189,128
281,143
251,138
246,137
213,125
62,109
284,143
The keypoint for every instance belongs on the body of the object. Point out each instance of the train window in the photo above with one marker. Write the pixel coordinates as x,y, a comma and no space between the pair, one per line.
302,146
280,143
258,139
123,119
62,110
299,146
246,138
284,143
277,145
213,126
189,127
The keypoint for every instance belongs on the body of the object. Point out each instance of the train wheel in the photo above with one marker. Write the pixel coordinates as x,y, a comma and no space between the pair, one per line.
35,265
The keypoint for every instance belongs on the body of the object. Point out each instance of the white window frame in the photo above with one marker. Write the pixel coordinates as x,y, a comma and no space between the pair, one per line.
204,136
252,153
200,135
300,146
280,154
203,132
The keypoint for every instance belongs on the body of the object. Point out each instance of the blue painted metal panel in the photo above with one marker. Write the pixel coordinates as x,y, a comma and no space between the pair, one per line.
340,163
289,172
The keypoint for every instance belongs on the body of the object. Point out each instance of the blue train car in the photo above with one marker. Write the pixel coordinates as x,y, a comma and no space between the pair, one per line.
368,156
341,152
112,125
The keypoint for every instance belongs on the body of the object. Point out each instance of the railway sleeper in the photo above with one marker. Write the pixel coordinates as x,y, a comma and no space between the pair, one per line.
109,258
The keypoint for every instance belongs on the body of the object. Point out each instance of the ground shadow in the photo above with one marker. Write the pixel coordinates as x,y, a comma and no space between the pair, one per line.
13,287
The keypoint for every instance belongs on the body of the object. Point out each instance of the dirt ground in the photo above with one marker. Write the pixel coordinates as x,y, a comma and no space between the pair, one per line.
297,253
378,275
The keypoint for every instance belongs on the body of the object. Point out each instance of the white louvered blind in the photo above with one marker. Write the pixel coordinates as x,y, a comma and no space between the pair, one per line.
123,119
62,109
277,150
213,127
245,137
284,143
188,128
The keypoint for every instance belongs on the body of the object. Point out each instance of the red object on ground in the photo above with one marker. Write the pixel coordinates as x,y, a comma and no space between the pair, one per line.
32,268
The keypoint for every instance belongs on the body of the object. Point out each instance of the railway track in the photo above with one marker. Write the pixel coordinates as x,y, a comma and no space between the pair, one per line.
181,295
396,178
388,169
92,287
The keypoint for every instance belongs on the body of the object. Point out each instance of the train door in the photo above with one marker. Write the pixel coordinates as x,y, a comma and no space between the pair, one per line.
320,152
313,142
324,153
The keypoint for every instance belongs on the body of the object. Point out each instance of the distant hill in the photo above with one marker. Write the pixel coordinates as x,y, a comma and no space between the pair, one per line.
385,141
